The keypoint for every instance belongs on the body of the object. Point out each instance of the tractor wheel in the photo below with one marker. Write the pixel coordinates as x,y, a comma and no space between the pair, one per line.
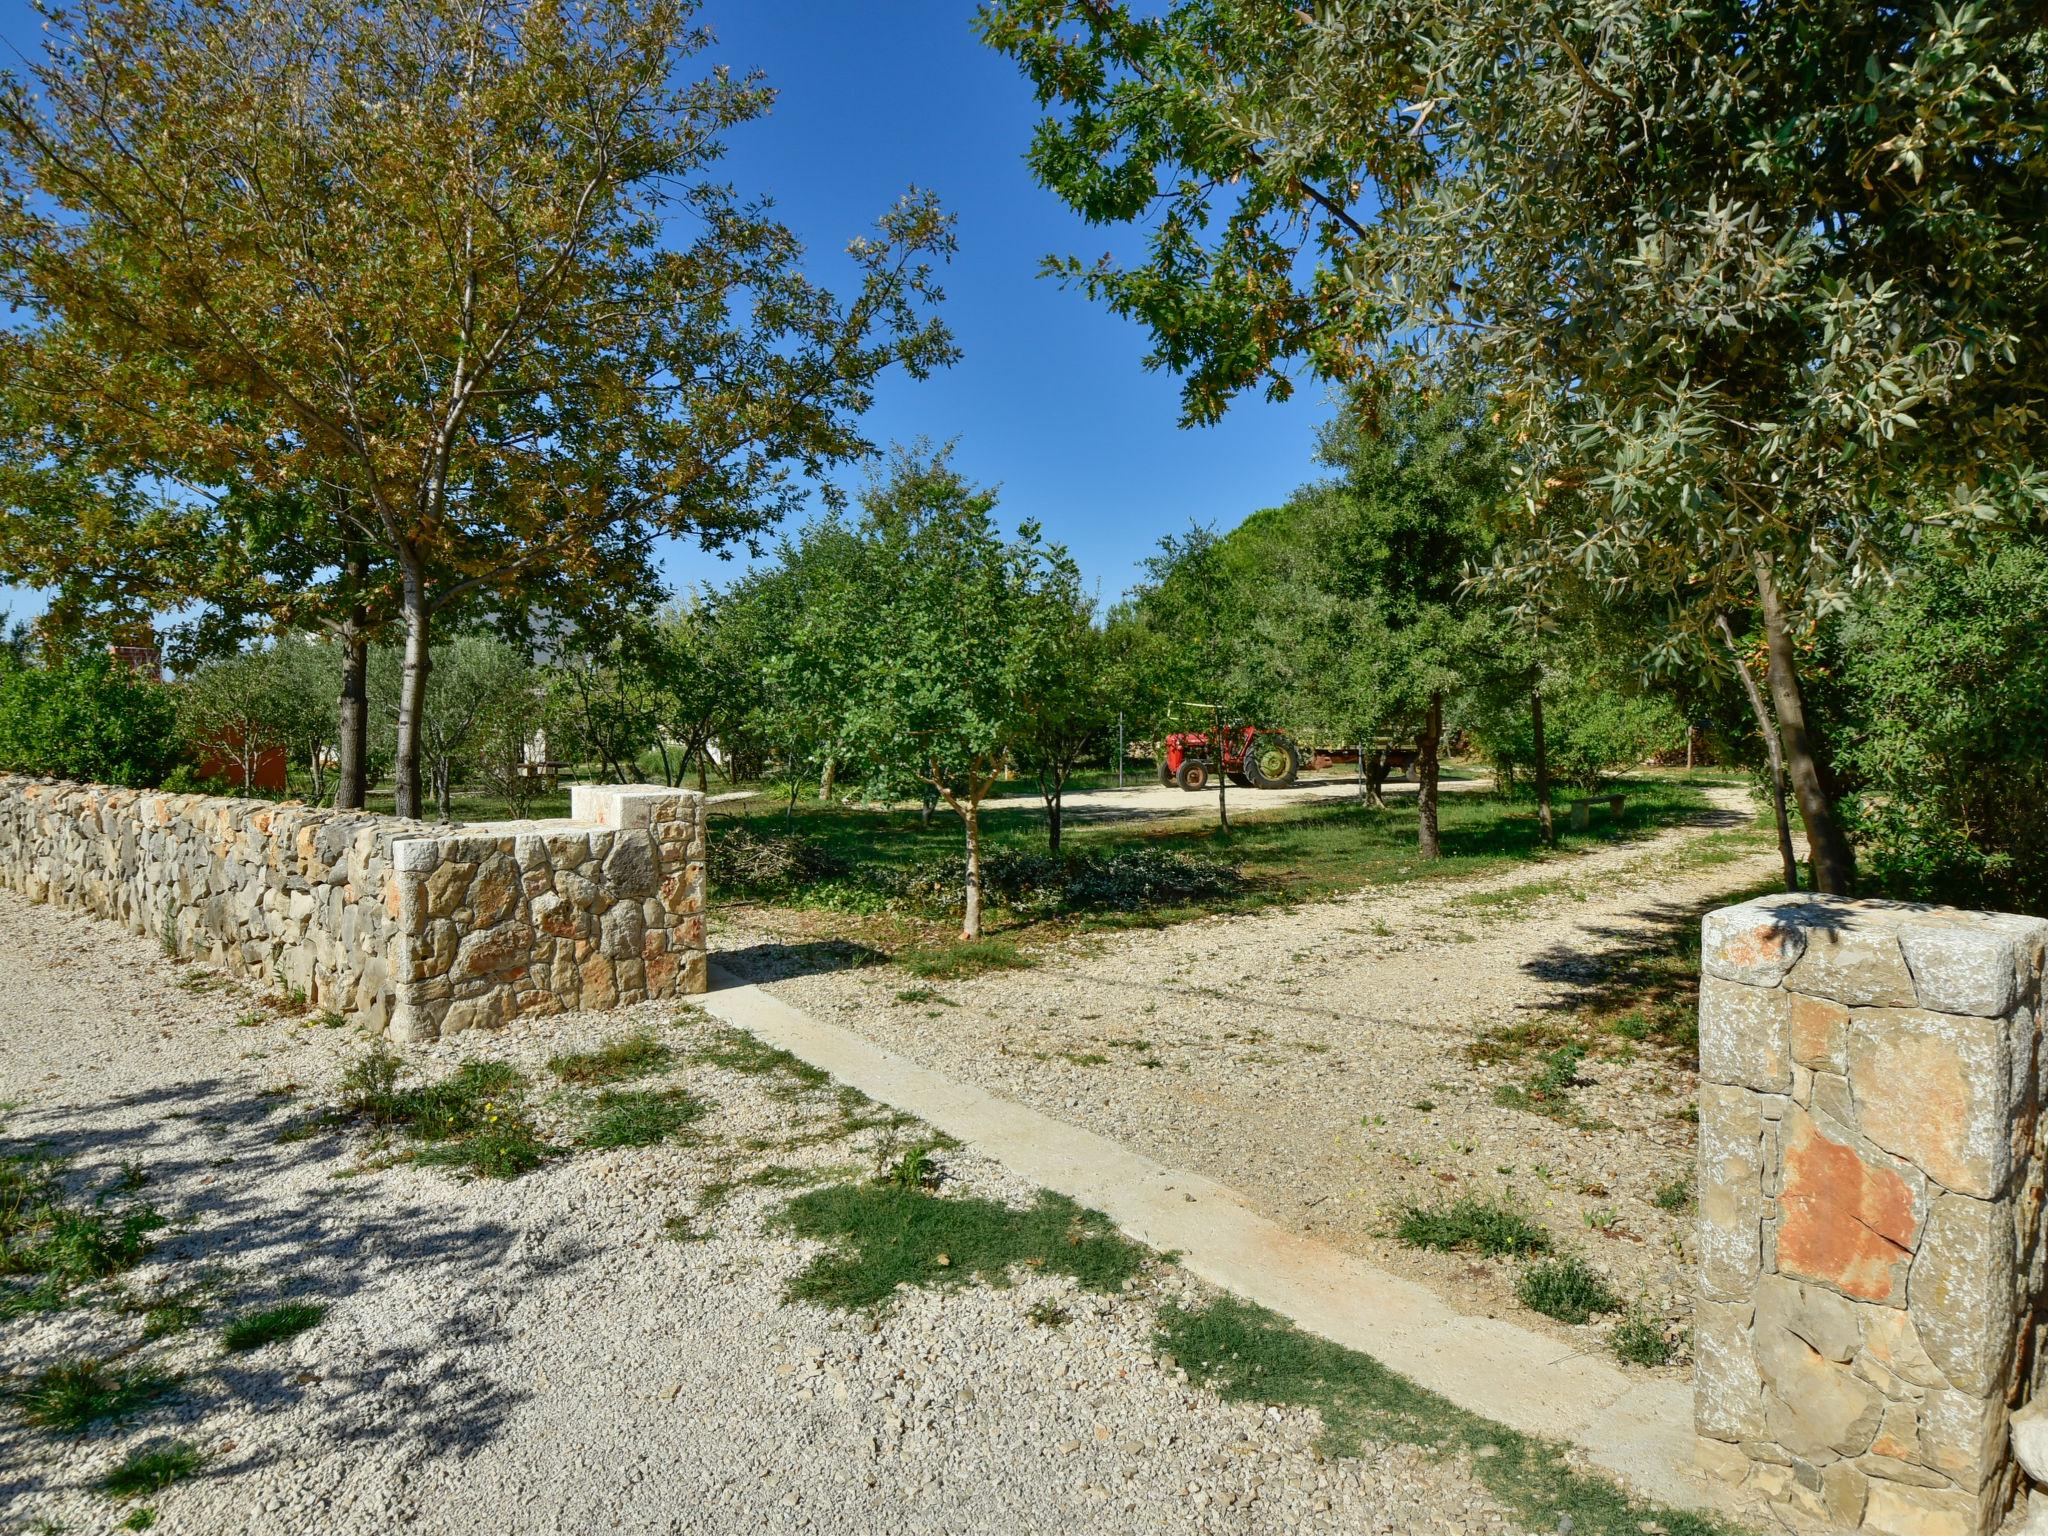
1165,771
1273,761
1193,775
1240,780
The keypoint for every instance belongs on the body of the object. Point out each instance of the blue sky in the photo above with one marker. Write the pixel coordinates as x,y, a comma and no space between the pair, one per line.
1050,400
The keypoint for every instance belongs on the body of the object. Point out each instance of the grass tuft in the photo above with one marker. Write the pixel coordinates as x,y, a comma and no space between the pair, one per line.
884,1235
639,1055
53,1244
1638,1340
1246,1354
640,1117
475,1119
1472,1224
72,1396
967,957
1677,1195
272,1325
734,1050
148,1471
1567,1289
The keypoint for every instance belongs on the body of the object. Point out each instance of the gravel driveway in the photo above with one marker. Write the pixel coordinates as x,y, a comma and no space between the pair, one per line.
1315,1060
542,1355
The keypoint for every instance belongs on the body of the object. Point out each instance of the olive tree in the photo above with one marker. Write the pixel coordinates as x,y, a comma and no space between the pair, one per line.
1761,290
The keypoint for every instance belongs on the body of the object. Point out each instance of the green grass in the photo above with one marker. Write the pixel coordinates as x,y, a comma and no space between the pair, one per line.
54,1243
1567,1289
73,1395
272,1325
140,1518
640,1117
473,1120
925,995
965,957
639,1055
886,1234
1636,1340
1472,1224
1549,1091
734,1050
1675,1196
1246,1354
1287,853
148,1471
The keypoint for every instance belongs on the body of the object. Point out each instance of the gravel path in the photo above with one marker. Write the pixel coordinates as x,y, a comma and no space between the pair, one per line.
1314,1058
540,1356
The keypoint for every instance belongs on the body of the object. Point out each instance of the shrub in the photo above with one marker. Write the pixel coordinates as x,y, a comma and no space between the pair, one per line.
86,717
743,859
1942,689
1046,884
1594,726
1638,1340
1567,1289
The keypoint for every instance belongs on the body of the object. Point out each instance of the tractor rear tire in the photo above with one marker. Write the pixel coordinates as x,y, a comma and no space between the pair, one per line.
1193,775
1273,762
1165,771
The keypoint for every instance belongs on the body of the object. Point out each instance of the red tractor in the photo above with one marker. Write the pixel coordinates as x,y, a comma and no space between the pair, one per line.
1256,757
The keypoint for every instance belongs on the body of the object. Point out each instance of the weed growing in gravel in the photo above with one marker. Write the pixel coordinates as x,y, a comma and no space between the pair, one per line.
272,1325
967,957
151,1470
1637,1340
474,1119
885,1235
1677,1195
915,1168
140,1518
1472,1224
1246,1354
53,1244
634,1056
168,1317
640,1117
737,1051
1548,1092
680,1229
925,995
74,1395
1048,1314
1567,1289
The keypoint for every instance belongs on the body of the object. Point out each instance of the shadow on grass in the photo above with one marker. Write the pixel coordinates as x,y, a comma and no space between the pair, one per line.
258,1219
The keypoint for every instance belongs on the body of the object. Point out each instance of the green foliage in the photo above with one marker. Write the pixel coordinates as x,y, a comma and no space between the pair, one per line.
1246,1354
894,1233
1597,722
1944,695
148,1470
1639,1340
1094,879
737,1051
88,718
1676,1195
141,1518
966,957
279,697
640,1118
475,1119
1567,1289
1549,1091
271,1325
636,1055
1472,1224
73,1395
52,1244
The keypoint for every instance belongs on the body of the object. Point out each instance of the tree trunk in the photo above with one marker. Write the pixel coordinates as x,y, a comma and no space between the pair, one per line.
1361,772
1222,778
1827,846
970,922
352,743
1766,728
444,783
1055,805
316,769
703,772
1376,781
412,694
827,778
1426,841
1542,769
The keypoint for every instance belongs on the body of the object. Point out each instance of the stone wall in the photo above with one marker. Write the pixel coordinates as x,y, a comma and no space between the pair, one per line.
1870,1195
418,928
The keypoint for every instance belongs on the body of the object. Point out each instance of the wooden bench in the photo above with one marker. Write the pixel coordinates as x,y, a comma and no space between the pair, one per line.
1582,810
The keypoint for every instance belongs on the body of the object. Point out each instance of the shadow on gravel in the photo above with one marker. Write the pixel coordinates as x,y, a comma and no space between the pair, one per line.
781,962
1642,957
254,1218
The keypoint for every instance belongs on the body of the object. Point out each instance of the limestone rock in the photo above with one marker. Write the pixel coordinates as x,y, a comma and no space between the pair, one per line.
1961,1295
1932,1088
1743,1035
1750,943
1846,1222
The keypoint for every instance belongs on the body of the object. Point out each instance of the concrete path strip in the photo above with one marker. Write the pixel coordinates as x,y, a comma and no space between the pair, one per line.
1638,1428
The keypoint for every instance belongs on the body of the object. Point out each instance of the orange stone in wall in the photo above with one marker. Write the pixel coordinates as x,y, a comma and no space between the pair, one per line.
1845,1223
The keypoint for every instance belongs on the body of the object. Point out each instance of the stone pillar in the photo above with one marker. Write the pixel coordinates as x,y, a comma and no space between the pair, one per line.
1870,1201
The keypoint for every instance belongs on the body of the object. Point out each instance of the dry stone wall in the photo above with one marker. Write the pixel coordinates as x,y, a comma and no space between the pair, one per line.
1870,1196
412,927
